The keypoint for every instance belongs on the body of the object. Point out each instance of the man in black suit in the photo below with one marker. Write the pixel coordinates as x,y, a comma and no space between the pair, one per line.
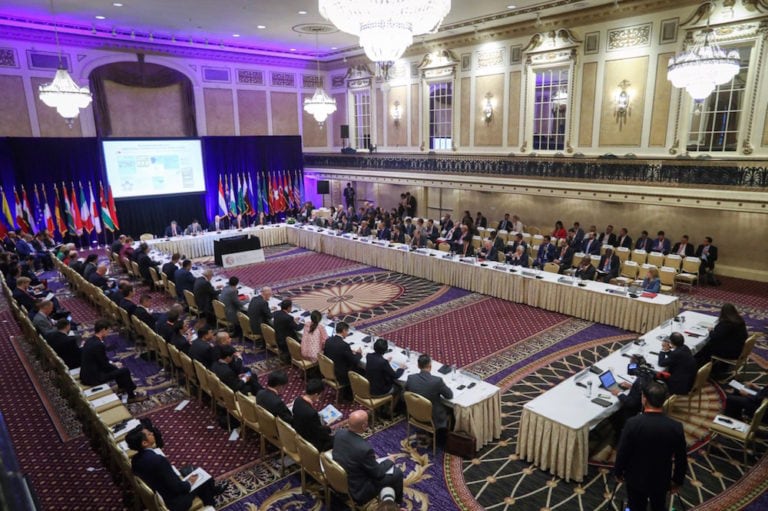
154,469
117,245
23,296
380,373
244,382
258,310
644,242
590,245
446,224
269,398
707,252
220,223
306,420
201,347
65,345
205,294
173,230
344,360
683,248
143,312
608,237
98,278
742,404
564,258
285,326
648,444
624,239
609,266
505,224
126,302
365,475
164,325
95,367
481,221
171,267
676,358
184,279
383,233
145,263
433,388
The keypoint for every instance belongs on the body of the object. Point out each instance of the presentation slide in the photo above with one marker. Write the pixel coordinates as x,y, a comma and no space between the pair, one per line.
143,168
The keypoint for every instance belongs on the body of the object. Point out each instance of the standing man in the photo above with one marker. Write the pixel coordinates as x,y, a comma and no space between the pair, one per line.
232,305
285,327
205,295
349,196
648,444
258,310
365,475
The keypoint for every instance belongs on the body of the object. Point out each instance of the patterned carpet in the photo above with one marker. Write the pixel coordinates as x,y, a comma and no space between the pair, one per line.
522,349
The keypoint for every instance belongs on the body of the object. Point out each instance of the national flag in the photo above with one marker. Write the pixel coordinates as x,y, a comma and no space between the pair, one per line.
47,216
241,191
7,215
232,202
106,217
20,220
286,192
272,195
37,208
76,215
60,221
297,189
85,211
112,208
68,211
27,211
222,200
264,195
94,210
249,202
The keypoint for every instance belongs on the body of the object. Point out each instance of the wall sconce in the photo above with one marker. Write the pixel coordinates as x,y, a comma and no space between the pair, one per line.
622,100
488,108
396,113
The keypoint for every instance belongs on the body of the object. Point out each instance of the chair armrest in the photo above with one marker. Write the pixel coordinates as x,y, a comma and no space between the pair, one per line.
728,361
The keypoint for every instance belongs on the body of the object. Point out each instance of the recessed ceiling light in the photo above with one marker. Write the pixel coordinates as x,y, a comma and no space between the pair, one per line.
293,49
235,35
117,4
333,48
302,12
261,27
511,6
100,17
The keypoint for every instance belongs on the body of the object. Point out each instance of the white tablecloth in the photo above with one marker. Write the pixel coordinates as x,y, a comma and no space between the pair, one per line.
202,244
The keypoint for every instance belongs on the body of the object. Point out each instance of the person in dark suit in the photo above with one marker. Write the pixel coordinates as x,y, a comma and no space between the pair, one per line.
164,325
219,223
518,257
624,239
184,279
145,263
383,232
585,270
418,240
201,348
95,367
608,237
609,266
517,242
98,278
742,405
157,472
173,230
285,326
545,254
676,358
230,297
505,224
431,231
178,339
380,373
269,397
433,388
258,310
23,296
42,319
91,261
117,245
244,382
683,248
65,345
726,339
446,224
171,267
648,445
143,312
306,420
564,258
205,294
344,360
366,476
707,252
644,242
481,221
660,244
126,302
364,230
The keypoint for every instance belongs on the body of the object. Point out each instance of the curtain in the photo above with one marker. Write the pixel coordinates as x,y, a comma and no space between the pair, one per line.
139,74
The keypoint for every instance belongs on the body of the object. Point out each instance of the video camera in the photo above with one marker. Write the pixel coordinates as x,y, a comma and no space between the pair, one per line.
640,368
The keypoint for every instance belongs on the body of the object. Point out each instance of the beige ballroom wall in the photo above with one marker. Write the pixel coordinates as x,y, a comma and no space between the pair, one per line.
464,109
49,121
313,134
513,133
339,117
14,115
219,111
630,132
285,119
415,116
662,98
587,107
397,133
145,112
488,134
252,112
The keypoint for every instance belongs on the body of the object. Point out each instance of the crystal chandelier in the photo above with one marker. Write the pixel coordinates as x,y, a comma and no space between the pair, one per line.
63,93
385,27
320,105
702,67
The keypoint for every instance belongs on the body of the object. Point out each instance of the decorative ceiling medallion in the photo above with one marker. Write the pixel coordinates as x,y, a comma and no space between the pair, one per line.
315,28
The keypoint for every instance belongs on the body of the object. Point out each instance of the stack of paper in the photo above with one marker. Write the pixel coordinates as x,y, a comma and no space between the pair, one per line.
741,387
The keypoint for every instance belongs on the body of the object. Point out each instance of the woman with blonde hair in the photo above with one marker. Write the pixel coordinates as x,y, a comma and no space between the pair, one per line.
652,282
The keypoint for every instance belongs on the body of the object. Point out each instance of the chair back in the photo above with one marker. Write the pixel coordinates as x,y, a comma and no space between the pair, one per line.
622,253
164,278
537,239
419,410
335,474
691,265
595,260
146,494
267,425
248,413
202,377
147,236
172,290
444,247
702,375
757,419
629,269
674,261
287,436
227,397
154,275
309,457
667,276
135,268
189,296
361,387
188,366
219,310
327,368
642,271
270,340
656,259
175,355
640,256
552,267
245,326
294,348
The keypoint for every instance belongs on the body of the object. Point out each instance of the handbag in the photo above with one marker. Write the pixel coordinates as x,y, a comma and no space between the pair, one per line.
460,443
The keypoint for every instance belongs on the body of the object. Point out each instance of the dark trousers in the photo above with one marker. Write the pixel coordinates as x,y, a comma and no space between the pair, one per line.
394,481
123,379
737,405
207,492
638,500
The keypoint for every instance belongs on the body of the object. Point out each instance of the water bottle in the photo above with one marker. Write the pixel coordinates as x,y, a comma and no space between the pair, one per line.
408,353
589,388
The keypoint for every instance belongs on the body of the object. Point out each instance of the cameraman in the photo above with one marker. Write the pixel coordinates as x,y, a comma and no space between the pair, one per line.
631,402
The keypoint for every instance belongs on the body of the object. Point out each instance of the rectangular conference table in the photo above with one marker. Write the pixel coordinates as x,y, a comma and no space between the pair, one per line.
554,427
477,410
201,245
594,302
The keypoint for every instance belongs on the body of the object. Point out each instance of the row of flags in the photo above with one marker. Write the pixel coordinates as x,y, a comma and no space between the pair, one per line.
75,211
275,192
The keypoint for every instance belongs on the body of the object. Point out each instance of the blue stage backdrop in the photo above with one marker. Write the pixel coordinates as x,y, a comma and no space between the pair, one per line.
43,162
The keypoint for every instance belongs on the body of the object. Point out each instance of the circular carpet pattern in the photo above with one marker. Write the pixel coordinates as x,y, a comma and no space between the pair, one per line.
349,298
497,478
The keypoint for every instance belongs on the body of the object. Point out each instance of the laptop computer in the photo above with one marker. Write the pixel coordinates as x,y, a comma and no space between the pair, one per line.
608,381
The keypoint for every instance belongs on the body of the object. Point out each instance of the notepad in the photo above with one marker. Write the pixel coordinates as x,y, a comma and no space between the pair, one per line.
733,424
740,386
329,414
202,477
